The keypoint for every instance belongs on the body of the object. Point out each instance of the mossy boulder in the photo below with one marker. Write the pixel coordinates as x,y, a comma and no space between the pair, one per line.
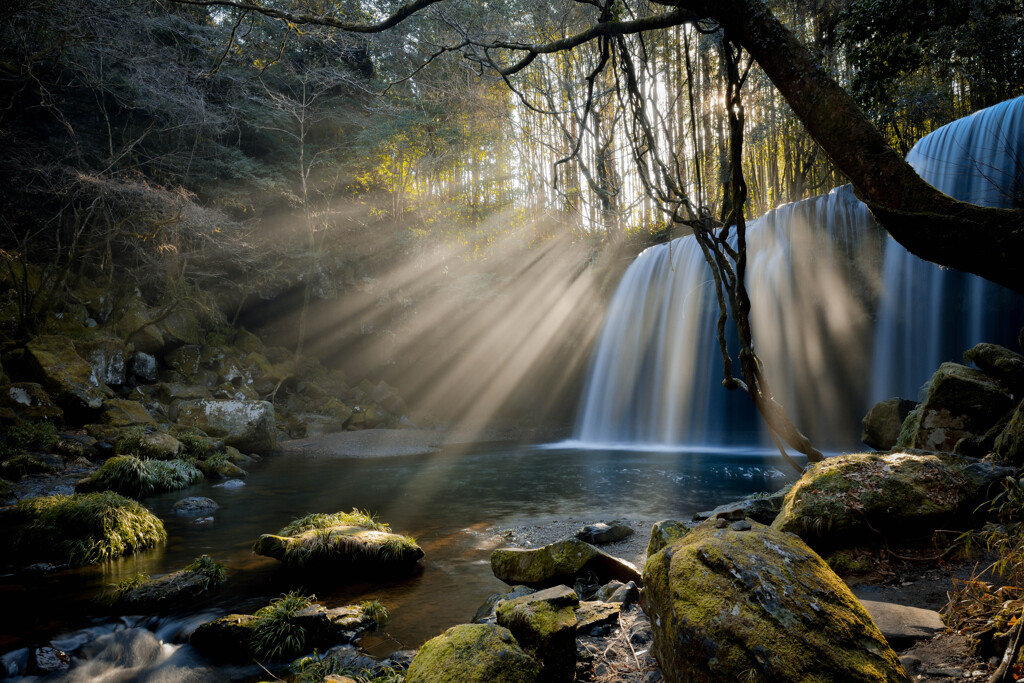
561,562
106,357
81,529
665,532
544,624
881,426
30,401
119,412
962,402
226,638
247,425
759,604
473,653
65,376
999,363
247,342
842,500
487,612
171,589
1009,445
351,543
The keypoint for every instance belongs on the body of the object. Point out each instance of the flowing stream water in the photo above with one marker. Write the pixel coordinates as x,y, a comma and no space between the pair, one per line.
452,502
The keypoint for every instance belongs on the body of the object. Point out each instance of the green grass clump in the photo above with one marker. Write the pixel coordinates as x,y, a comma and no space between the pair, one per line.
84,528
137,478
173,475
23,465
130,441
316,668
125,586
197,446
322,520
376,610
27,436
274,637
215,572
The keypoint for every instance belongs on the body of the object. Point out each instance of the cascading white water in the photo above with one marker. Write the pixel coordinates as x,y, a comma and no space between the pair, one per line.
816,270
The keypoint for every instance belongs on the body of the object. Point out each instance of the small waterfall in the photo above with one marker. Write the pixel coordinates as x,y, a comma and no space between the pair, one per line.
826,285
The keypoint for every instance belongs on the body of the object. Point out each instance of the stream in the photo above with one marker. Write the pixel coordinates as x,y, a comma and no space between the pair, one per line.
452,501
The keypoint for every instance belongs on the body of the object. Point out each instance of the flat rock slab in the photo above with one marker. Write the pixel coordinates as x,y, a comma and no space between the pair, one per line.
902,625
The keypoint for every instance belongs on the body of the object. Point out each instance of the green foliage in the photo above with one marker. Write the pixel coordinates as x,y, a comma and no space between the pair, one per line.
376,610
125,586
132,476
173,475
319,520
215,572
316,668
197,445
274,637
397,547
84,528
27,436
23,465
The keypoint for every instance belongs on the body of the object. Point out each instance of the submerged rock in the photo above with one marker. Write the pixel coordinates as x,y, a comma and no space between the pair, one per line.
194,506
842,500
561,562
731,606
881,426
473,653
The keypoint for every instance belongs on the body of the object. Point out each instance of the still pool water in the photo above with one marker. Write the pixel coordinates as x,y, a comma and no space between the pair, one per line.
451,501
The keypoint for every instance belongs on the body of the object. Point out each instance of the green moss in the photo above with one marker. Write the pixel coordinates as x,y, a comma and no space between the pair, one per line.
909,428
125,586
215,572
27,436
360,518
473,653
84,528
850,561
21,466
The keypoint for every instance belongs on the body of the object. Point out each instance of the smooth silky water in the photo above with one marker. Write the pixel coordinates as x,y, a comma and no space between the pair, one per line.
452,502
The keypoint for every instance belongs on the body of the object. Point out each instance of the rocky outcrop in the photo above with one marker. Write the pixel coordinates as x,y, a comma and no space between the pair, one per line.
544,624
105,355
736,605
247,425
561,562
65,376
881,426
961,403
473,653
844,500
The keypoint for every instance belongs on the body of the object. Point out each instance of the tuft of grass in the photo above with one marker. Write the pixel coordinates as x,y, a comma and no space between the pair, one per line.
197,445
173,475
215,572
321,520
130,441
274,636
316,668
137,478
84,528
397,548
27,436
125,586
376,610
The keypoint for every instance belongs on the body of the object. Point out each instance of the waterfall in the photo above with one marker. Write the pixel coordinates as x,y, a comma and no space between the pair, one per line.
826,285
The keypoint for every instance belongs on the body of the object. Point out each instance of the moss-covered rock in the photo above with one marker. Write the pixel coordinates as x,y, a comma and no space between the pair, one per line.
881,426
106,357
68,378
30,401
842,500
999,363
82,528
247,342
759,604
183,585
487,612
247,425
562,562
352,543
226,638
120,412
961,402
664,532
544,624
472,653
1009,445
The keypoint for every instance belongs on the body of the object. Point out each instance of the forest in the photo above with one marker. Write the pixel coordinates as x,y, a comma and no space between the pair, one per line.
368,256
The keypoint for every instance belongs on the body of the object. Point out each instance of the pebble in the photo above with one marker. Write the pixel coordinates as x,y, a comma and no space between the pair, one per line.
741,525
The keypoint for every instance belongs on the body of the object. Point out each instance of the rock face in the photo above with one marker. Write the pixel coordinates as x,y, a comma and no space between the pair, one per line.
561,562
737,605
881,426
544,624
472,653
840,500
247,425
106,357
70,380
961,403
604,532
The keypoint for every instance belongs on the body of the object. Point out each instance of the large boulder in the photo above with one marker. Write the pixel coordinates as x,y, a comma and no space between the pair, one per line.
1009,445
70,380
119,412
106,357
544,624
844,499
961,403
247,425
561,562
350,543
472,653
30,401
881,426
1000,363
758,604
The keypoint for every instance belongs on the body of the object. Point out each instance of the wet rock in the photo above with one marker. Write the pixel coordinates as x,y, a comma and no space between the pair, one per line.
473,653
758,603
106,356
1009,445
49,660
247,425
226,638
230,484
999,363
194,506
664,532
119,412
170,392
838,502
881,426
961,402
625,595
544,624
30,401
176,587
562,562
485,614
65,376
603,532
